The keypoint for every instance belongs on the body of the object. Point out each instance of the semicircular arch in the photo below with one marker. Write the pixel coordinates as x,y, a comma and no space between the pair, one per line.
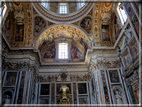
53,29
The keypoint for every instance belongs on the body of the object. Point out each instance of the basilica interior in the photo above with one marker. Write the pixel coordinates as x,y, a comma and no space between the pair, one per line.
70,52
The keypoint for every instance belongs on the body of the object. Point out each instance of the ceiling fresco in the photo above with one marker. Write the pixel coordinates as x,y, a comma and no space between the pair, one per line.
25,27
62,31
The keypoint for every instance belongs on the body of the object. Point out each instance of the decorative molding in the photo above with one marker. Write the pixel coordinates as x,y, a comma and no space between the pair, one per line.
104,63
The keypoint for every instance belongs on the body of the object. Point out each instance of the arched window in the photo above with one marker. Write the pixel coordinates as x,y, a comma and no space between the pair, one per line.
81,4
45,4
63,51
63,8
122,14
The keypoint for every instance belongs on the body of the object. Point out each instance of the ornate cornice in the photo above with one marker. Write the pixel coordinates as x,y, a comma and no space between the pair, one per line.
57,18
104,63
64,77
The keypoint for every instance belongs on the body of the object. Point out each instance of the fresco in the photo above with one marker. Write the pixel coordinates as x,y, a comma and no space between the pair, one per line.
63,34
86,24
114,77
75,53
10,79
117,27
44,90
50,53
39,24
105,33
83,44
7,27
133,17
43,43
82,88
19,32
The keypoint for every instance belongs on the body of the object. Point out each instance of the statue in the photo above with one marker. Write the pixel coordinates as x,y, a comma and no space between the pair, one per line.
64,97
118,97
7,100
127,33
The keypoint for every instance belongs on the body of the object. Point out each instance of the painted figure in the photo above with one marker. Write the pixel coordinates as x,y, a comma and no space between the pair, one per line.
103,33
50,53
39,24
76,53
86,24
19,33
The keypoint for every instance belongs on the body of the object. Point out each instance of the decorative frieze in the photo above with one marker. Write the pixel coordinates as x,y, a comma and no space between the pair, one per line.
63,78
105,63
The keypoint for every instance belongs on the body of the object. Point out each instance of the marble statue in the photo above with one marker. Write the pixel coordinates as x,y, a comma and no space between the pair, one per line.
127,33
118,97
7,100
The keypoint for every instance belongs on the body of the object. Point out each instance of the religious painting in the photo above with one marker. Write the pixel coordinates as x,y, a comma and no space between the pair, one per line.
10,79
82,88
83,44
50,53
105,87
21,88
42,44
19,32
75,52
117,27
83,101
105,33
7,27
39,24
133,17
114,77
58,86
44,89
63,34
44,101
86,24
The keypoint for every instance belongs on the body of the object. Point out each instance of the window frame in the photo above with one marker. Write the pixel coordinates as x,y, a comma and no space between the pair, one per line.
67,51
122,14
64,11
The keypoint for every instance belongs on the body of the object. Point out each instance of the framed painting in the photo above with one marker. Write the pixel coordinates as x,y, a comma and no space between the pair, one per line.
10,79
105,33
82,88
114,77
45,89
